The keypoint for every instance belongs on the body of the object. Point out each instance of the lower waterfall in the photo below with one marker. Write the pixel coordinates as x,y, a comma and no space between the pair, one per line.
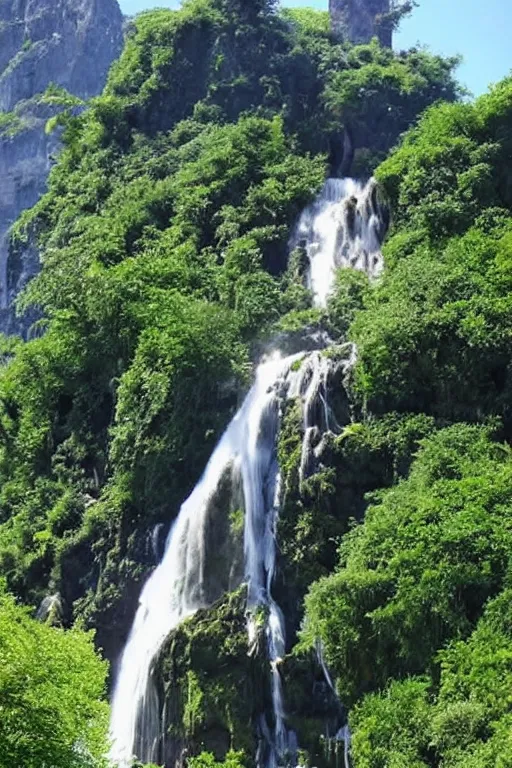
344,227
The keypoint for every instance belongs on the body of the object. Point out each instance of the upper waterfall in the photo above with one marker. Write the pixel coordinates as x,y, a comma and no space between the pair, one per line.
344,227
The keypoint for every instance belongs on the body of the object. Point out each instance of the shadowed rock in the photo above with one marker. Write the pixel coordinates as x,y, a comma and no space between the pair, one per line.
357,21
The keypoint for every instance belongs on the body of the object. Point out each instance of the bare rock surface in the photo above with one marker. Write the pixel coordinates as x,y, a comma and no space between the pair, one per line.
359,20
68,43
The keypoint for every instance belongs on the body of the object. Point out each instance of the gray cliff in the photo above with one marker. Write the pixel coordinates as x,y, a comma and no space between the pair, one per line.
359,20
70,43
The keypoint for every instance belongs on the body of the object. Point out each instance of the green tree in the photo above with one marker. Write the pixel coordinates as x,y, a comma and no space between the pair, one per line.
207,760
52,711
464,719
164,242
419,570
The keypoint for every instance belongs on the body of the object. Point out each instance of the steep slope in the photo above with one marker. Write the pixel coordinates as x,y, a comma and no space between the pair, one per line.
168,269
69,44
415,620
164,235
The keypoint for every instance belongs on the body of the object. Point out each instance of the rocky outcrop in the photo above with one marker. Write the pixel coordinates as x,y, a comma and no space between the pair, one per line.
70,43
213,689
358,21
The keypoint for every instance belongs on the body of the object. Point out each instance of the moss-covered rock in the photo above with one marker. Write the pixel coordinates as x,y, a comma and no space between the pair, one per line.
213,689
366,455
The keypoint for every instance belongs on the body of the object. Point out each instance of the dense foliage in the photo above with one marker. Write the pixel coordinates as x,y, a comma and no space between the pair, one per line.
431,552
164,238
51,689
415,620
436,334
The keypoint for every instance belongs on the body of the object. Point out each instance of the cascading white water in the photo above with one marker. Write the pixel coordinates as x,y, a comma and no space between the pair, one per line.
50,607
341,229
343,734
344,227
177,587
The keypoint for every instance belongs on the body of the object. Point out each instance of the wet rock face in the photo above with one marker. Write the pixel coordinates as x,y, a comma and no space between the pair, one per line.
358,20
70,43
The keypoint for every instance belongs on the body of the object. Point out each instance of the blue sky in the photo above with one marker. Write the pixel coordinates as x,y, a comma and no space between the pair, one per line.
479,31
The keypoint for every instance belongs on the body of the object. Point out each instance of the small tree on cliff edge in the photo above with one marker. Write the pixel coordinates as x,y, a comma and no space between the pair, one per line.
388,23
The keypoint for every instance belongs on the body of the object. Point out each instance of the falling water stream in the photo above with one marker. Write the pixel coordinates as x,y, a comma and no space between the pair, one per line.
342,228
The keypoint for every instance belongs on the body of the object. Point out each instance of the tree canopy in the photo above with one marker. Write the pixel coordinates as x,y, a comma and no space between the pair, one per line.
52,684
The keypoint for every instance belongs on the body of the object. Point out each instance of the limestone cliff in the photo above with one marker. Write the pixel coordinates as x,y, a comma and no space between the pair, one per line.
359,20
70,43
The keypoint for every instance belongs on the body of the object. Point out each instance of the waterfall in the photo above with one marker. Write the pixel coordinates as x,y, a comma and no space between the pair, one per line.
343,734
50,608
342,228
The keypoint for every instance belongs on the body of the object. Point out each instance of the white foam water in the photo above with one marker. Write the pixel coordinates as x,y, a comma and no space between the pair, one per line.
344,227
176,589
